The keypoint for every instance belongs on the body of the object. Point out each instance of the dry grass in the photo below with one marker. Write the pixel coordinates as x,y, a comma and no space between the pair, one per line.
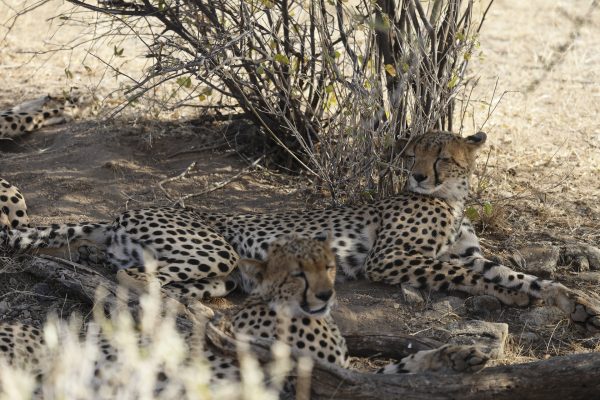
544,159
144,350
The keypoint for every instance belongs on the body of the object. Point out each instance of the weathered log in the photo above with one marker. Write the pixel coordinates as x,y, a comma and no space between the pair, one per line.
386,345
76,278
568,377
88,284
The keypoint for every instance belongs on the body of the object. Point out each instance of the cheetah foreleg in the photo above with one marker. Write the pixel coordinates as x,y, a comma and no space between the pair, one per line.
582,309
397,267
466,251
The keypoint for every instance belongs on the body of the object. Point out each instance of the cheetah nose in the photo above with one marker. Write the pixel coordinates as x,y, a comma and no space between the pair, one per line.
324,295
419,177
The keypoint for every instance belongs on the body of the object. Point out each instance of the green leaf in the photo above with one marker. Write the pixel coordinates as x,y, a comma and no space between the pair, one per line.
68,74
390,69
488,209
329,89
282,59
453,81
184,81
472,213
118,52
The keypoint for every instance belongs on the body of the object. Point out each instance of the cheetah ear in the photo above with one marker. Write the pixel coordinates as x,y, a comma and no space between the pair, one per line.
476,140
254,270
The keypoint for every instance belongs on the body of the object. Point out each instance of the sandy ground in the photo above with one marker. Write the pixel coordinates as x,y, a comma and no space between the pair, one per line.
540,175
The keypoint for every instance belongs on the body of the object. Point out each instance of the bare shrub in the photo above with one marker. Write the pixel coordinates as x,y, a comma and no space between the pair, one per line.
337,85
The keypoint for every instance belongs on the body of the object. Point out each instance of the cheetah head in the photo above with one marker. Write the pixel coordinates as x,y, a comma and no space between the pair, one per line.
298,274
441,163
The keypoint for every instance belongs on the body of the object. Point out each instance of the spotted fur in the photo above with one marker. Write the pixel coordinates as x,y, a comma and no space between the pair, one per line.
291,302
13,210
44,111
192,260
420,237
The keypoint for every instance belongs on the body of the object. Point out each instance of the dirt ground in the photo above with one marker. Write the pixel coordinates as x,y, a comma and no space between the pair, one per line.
540,175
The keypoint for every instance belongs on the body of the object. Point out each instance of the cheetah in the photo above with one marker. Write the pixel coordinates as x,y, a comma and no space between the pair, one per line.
291,302
44,111
419,237
294,293
13,210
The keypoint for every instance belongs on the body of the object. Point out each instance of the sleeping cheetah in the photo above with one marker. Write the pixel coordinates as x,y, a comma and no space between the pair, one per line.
293,294
420,237
44,111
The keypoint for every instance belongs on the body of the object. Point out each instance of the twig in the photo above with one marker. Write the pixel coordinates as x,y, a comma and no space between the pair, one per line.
221,184
175,178
198,150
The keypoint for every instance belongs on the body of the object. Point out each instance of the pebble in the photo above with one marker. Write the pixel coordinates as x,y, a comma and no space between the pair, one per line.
540,259
542,316
483,306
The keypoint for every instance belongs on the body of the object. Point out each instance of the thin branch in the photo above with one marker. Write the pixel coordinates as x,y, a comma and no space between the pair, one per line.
175,178
221,184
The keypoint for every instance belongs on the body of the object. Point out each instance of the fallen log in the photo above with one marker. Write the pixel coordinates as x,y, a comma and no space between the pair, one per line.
395,346
567,377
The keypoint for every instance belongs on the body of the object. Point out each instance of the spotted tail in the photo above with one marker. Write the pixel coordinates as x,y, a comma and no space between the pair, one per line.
56,235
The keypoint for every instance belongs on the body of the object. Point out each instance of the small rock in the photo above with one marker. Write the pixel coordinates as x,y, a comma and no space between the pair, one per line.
542,316
590,276
43,291
483,306
447,306
452,303
443,306
489,336
582,257
3,306
527,337
12,282
538,259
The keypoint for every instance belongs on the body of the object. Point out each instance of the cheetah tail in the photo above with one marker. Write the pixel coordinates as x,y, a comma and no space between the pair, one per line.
56,235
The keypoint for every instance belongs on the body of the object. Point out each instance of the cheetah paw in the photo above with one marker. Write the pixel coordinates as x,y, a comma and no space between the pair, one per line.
448,358
582,309
463,358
